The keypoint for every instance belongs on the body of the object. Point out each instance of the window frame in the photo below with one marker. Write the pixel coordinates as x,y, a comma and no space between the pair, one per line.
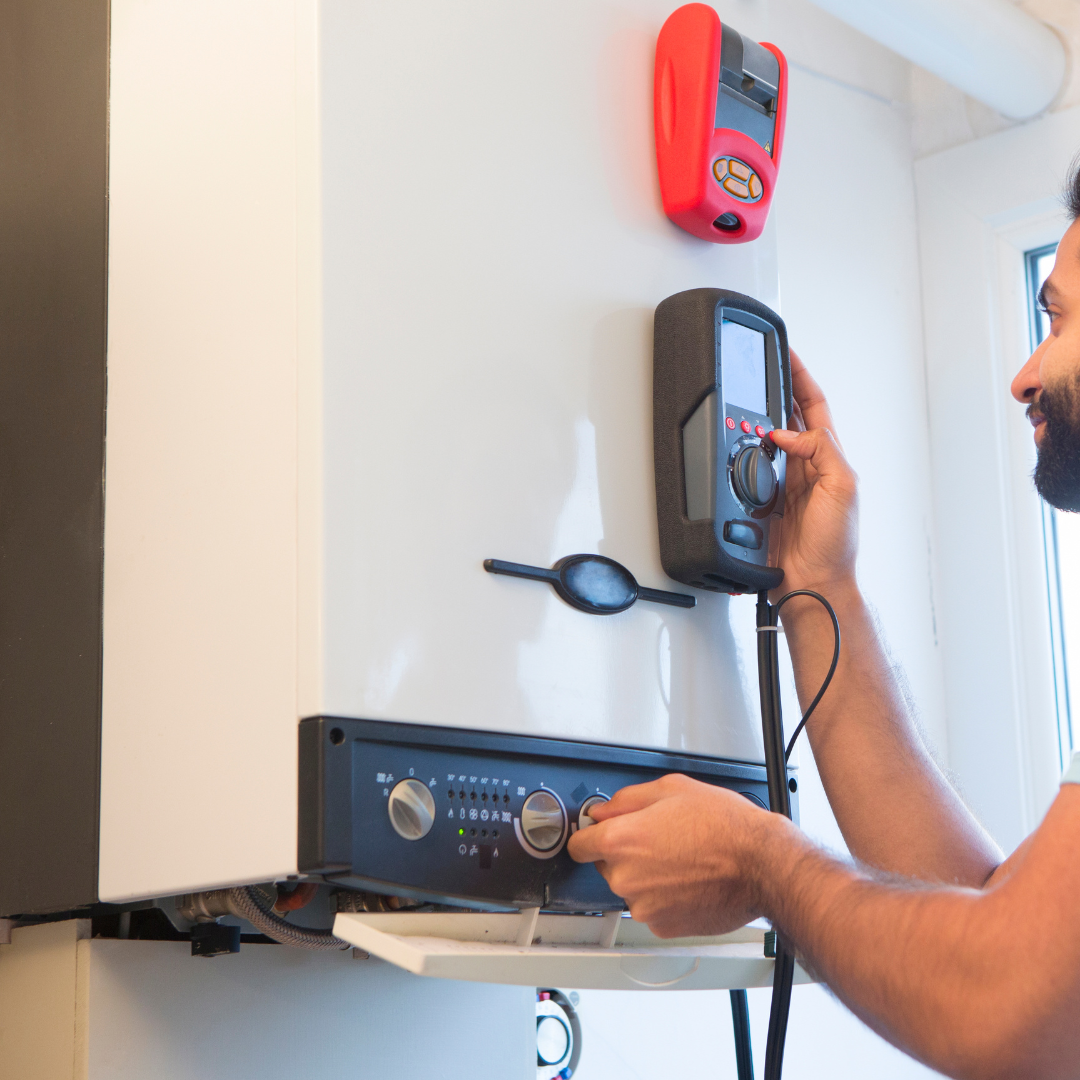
1054,602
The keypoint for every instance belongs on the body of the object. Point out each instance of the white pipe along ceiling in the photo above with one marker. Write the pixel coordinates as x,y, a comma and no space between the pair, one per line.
990,49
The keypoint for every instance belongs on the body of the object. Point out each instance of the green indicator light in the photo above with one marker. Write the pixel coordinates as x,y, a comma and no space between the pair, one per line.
461,832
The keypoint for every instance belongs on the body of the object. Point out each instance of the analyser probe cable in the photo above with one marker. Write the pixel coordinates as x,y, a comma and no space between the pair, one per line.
776,757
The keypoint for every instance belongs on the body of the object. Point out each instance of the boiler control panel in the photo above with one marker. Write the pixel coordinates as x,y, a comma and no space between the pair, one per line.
469,817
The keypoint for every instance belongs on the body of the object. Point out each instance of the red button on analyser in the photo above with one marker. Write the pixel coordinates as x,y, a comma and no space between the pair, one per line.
745,425
731,423
759,431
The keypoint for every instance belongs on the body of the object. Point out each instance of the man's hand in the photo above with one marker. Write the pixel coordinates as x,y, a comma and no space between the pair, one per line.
680,852
819,539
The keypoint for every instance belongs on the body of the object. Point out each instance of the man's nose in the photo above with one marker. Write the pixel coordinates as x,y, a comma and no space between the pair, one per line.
1027,384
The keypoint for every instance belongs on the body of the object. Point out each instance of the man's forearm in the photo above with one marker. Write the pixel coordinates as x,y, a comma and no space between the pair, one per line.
943,973
893,804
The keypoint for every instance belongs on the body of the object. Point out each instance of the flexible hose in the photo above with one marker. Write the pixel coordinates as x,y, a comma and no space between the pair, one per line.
740,1022
772,730
247,903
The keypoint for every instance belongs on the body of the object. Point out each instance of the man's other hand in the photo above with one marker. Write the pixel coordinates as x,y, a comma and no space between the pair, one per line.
680,853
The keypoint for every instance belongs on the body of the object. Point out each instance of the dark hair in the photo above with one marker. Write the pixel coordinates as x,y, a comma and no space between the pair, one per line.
1071,195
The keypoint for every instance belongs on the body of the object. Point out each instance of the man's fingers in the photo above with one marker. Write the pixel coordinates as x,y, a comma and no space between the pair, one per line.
627,800
587,845
809,396
818,447
592,844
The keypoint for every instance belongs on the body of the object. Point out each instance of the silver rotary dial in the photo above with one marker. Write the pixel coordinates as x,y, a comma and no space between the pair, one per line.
411,809
543,821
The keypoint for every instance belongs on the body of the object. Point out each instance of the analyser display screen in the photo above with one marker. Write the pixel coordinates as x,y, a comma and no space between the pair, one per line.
742,359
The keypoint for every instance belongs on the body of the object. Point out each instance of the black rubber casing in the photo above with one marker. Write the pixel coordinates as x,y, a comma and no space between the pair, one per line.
687,368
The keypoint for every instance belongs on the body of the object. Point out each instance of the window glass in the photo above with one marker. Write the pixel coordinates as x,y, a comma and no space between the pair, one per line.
1040,263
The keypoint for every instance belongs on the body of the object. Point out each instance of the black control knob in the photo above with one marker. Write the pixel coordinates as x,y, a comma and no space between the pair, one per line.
754,477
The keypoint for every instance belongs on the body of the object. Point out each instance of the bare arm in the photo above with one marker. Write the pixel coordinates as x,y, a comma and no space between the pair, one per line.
976,983
895,808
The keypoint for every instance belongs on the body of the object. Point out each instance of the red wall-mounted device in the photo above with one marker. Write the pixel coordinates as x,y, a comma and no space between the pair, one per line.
719,108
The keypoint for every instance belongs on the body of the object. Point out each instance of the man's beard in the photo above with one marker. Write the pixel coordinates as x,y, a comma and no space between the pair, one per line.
1057,473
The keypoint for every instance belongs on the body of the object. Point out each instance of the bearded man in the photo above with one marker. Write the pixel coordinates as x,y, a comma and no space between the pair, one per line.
966,960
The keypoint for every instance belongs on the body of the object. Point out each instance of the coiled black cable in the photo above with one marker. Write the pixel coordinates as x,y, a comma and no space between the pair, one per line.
832,667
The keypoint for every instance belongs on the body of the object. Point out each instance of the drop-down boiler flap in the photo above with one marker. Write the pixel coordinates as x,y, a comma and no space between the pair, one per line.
564,950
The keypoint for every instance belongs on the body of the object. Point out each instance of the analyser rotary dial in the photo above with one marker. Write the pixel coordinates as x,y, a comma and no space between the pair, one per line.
754,477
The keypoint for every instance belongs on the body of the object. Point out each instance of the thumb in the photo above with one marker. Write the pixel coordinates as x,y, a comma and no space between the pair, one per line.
817,447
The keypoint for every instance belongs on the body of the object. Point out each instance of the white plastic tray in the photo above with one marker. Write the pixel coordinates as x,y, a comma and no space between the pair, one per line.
584,951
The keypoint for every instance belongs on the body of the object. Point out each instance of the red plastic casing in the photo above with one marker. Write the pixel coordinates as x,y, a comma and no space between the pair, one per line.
686,82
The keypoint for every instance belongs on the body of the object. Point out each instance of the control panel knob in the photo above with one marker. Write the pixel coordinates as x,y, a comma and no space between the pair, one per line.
543,820
411,809
754,477
584,819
